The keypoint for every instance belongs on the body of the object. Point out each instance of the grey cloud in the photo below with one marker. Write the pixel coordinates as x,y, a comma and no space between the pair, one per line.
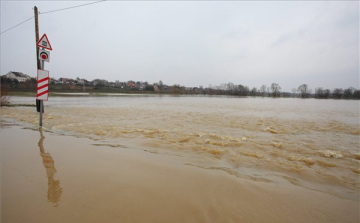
238,33
291,36
190,43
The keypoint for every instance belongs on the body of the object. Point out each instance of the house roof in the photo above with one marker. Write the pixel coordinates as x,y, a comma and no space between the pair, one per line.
18,74
65,79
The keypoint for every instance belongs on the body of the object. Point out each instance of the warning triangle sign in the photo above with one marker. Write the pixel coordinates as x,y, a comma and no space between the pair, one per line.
44,43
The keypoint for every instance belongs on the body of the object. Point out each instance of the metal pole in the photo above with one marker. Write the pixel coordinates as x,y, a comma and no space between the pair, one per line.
41,109
41,102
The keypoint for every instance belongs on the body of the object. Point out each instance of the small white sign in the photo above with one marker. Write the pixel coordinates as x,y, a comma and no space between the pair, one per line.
44,43
44,55
42,85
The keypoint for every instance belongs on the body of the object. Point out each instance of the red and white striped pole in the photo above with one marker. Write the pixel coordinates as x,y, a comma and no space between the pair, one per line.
42,88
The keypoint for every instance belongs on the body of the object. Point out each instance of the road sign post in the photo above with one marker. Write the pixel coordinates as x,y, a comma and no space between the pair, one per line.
42,85
41,112
44,55
44,43
42,102
43,75
42,89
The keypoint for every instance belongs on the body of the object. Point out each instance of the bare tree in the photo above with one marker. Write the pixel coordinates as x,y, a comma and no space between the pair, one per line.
327,93
356,94
349,93
304,90
231,88
275,89
263,90
322,93
242,90
253,91
160,84
338,93
319,92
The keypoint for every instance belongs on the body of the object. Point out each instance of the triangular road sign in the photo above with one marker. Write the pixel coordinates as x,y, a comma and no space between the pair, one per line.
44,43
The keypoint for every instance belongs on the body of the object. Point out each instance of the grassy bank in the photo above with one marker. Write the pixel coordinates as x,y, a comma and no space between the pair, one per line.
18,105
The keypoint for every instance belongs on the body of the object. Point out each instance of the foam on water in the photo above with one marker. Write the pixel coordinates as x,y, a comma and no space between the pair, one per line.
333,154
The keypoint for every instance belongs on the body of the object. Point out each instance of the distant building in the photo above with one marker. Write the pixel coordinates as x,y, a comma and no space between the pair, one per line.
83,82
131,84
99,82
18,76
52,80
142,86
64,80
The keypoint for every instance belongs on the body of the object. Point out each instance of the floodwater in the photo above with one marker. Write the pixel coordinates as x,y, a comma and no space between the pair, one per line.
128,158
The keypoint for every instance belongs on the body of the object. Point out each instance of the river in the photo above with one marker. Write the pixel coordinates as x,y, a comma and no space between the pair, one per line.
307,143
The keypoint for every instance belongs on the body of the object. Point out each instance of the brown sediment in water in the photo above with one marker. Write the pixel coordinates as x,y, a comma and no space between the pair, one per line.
243,140
319,149
101,182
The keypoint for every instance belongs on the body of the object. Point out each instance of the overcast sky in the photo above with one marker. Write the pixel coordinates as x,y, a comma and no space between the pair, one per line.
190,43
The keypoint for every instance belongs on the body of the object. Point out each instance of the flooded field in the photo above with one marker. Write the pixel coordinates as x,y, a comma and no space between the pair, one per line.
309,146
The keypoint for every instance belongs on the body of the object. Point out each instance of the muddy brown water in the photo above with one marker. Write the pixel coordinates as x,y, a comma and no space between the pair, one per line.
181,159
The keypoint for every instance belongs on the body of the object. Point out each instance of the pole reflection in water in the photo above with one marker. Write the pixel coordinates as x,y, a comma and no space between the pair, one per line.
54,189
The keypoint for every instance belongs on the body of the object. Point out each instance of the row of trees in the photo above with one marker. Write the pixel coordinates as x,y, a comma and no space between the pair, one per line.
231,89
274,90
337,93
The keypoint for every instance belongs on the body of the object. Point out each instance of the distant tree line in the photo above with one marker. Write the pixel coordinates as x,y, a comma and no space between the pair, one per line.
274,90
9,83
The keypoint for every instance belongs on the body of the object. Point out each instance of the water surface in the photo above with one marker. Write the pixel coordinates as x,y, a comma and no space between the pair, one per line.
313,144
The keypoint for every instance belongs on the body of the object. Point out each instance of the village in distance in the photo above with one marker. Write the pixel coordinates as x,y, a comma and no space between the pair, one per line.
15,83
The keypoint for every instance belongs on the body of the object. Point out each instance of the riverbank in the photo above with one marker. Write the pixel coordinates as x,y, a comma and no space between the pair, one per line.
353,95
47,177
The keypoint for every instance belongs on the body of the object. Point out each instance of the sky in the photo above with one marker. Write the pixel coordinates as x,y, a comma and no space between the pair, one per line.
191,43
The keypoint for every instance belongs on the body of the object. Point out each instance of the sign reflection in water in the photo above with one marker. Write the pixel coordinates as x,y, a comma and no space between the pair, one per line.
54,189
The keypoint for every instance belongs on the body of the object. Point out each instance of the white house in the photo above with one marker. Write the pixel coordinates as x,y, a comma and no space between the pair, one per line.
17,75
